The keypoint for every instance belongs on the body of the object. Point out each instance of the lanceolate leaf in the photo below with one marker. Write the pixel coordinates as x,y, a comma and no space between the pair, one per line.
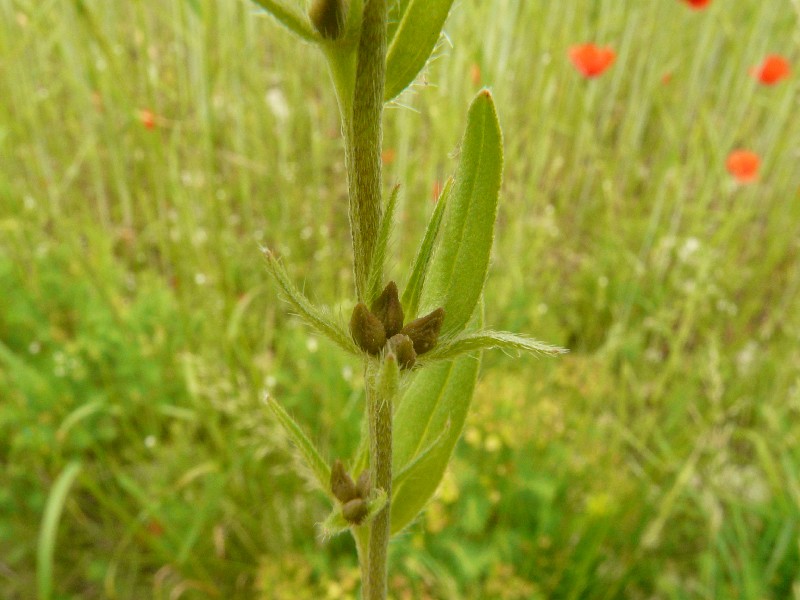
458,268
419,271
484,340
397,8
436,401
420,461
291,17
311,456
314,316
413,42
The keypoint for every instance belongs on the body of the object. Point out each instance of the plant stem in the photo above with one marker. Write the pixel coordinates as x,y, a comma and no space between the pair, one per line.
379,406
363,139
363,155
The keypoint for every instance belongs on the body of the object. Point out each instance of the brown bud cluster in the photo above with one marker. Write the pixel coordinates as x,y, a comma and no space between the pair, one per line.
371,328
353,496
388,309
425,331
367,330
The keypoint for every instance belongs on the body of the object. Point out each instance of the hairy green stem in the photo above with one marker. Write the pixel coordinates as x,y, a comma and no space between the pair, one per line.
363,139
363,154
379,407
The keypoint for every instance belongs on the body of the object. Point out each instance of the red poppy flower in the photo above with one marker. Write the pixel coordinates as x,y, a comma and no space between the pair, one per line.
698,4
772,70
743,165
147,118
591,60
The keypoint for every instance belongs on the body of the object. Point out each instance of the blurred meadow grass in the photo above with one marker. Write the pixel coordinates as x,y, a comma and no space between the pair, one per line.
148,149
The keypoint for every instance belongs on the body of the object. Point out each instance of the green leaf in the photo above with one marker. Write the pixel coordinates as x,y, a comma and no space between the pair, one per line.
334,524
316,317
413,42
290,17
378,261
459,266
427,424
397,8
419,271
413,468
311,456
437,401
485,340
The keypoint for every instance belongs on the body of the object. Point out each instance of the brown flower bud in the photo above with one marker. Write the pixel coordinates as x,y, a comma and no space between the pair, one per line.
328,17
362,485
388,309
367,330
403,349
424,332
355,511
342,485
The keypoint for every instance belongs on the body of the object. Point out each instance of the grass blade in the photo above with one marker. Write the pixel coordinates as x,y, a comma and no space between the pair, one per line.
45,549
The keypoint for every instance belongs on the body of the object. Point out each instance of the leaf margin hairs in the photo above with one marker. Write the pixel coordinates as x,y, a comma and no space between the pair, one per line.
316,317
308,451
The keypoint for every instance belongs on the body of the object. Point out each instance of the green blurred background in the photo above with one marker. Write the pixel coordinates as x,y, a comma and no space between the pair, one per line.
148,148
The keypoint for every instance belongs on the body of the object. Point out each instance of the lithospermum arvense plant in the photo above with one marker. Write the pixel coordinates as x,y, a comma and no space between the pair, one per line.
421,351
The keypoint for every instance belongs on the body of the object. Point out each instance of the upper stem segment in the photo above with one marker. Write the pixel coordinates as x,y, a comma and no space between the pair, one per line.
364,140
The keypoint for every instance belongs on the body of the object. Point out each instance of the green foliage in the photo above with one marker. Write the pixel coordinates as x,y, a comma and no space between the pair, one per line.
412,42
619,236
427,425
459,265
378,262
313,315
419,270
487,339
49,530
313,461
290,16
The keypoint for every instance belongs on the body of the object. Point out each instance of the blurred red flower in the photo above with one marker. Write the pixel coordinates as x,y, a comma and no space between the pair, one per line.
698,4
743,165
147,118
771,70
591,60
